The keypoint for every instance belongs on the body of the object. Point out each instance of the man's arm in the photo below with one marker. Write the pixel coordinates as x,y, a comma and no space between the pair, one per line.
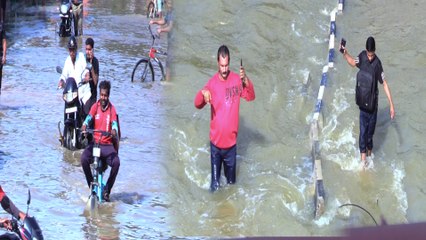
159,21
95,72
64,75
167,28
349,58
202,98
248,91
388,94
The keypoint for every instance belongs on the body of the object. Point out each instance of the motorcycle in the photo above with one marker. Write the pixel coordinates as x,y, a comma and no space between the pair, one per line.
28,229
70,24
66,27
73,113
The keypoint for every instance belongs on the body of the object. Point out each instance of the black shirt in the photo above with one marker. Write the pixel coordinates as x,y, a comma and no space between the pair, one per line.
95,66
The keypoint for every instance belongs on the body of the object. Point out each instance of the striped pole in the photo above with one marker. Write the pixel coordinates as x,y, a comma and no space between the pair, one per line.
341,5
332,37
314,131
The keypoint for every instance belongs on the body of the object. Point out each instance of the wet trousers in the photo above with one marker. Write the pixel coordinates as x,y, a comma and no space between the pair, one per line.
108,154
367,125
227,157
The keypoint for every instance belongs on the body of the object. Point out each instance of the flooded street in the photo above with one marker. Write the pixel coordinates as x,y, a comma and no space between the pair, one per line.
162,188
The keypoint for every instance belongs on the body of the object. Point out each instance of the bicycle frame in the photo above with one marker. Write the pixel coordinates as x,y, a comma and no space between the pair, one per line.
153,51
97,186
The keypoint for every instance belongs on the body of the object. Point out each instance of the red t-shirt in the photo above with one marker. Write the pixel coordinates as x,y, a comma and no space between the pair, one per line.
225,106
103,121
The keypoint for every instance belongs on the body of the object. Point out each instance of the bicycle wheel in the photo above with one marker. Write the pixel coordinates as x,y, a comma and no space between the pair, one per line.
94,205
162,71
143,71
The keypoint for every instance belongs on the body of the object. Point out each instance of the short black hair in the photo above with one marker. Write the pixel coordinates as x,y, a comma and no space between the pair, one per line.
90,42
223,52
105,85
370,45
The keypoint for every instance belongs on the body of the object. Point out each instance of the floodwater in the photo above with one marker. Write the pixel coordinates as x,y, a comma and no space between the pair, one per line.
162,187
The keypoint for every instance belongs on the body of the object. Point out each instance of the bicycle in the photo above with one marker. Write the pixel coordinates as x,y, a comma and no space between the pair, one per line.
98,168
144,68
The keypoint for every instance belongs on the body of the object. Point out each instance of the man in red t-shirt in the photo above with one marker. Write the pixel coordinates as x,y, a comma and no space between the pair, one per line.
223,92
105,116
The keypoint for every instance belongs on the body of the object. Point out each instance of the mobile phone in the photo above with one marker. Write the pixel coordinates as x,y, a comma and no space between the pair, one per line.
342,45
241,65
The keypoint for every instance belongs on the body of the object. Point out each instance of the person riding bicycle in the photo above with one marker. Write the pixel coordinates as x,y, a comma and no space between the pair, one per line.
105,118
9,207
75,67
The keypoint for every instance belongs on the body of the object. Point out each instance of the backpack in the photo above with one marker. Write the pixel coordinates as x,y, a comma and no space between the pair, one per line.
366,85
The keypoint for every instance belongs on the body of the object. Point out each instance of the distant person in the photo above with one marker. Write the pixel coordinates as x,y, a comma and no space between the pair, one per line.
3,47
371,70
160,8
166,23
166,26
223,92
104,115
93,73
77,11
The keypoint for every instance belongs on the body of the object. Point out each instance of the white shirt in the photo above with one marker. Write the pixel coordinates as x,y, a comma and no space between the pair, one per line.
77,71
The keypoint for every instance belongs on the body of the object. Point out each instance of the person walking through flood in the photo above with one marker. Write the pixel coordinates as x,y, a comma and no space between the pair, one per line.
223,92
371,72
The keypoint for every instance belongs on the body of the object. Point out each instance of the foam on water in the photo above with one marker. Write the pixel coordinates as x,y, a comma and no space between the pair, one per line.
398,187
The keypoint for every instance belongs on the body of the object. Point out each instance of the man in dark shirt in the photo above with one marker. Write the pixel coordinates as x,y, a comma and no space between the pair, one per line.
94,72
367,120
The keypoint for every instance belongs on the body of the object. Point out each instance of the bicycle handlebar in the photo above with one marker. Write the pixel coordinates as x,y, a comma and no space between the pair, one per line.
103,133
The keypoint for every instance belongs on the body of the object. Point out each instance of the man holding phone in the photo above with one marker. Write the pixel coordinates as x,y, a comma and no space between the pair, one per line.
369,62
93,62
223,92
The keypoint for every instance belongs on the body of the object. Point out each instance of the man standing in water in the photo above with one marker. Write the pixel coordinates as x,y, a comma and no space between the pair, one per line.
223,92
368,61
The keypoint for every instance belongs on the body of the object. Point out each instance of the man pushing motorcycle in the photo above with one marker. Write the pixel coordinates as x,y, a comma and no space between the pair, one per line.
105,119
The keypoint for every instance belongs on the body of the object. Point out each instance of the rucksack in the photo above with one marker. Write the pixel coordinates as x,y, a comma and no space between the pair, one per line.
365,89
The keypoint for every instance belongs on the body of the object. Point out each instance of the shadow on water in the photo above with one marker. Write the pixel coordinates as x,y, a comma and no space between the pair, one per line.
248,136
127,197
383,126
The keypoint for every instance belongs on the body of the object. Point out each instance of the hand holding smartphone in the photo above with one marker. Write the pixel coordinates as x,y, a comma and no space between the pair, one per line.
241,75
342,45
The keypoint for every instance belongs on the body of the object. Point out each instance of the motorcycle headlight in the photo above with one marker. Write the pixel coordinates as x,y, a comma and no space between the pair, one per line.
64,8
70,96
